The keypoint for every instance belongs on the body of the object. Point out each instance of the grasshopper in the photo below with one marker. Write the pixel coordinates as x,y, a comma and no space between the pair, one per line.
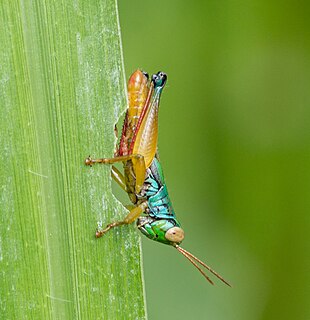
143,177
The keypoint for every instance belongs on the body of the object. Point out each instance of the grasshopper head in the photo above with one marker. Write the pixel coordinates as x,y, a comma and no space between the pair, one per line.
167,231
161,230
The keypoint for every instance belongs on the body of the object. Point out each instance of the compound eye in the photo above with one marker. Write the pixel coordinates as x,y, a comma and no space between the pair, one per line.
175,234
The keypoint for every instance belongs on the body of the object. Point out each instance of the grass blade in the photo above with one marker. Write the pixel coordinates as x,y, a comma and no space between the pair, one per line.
62,88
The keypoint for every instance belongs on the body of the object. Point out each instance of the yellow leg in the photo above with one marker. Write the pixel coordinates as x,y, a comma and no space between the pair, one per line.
119,178
140,169
131,217
137,161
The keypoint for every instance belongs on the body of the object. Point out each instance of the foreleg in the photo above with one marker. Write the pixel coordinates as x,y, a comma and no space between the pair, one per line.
131,217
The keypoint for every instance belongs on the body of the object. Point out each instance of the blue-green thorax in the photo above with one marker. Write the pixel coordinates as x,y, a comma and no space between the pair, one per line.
159,217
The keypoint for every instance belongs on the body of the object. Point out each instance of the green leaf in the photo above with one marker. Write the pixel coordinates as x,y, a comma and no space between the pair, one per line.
62,89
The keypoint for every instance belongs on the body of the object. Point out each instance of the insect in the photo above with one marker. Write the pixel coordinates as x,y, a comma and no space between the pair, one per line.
143,178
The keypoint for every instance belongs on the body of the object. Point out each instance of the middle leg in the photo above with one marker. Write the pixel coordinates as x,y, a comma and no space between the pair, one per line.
137,162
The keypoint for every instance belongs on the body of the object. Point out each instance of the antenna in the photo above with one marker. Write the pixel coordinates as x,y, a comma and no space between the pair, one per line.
194,259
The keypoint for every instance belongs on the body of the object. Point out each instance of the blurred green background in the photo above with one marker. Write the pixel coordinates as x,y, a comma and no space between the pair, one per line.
235,146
